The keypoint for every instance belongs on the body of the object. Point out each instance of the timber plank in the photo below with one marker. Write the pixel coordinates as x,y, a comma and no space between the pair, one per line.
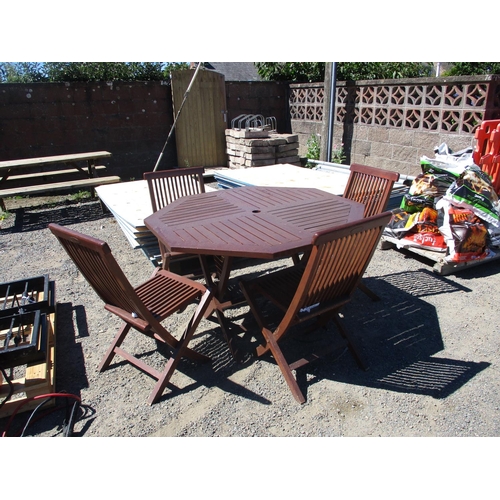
58,186
39,378
32,162
50,173
441,266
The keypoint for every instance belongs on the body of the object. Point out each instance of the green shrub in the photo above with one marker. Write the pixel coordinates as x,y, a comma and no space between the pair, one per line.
313,148
87,71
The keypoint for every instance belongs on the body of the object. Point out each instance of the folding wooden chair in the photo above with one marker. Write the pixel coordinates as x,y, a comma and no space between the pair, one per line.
165,186
372,187
317,288
142,308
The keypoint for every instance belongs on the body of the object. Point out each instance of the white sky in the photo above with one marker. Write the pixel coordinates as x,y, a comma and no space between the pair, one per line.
258,30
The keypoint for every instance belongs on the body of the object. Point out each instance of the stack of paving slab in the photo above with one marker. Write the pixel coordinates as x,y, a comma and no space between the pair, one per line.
257,148
327,177
130,204
285,175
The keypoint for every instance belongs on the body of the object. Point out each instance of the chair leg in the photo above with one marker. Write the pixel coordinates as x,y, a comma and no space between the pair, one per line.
163,379
117,342
180,352
368,292
283,365
351,344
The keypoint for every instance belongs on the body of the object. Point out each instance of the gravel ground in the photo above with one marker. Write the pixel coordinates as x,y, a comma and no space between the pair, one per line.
432,343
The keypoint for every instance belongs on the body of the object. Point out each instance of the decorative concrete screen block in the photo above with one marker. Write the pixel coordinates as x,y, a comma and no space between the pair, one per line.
254,148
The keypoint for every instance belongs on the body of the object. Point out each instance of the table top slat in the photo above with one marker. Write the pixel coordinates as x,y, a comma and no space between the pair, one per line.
250,221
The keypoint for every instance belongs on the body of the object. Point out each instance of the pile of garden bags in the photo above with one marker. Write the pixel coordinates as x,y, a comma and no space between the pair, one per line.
451,207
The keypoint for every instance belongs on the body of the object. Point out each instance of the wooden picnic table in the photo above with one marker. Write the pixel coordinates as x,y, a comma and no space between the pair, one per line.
31,176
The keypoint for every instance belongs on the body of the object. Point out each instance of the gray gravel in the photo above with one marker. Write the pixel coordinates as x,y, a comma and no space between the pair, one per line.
432,343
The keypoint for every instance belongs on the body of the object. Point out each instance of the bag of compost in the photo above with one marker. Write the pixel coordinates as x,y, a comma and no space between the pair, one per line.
473,190
465,233
448,173
419,229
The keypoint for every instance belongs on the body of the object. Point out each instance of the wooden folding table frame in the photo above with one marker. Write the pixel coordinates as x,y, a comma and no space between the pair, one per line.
250,222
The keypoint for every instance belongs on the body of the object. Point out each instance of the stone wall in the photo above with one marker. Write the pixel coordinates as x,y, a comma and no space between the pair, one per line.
382,147
393,149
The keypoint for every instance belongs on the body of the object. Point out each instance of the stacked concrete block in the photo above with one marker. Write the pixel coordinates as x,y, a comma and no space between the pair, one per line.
258,148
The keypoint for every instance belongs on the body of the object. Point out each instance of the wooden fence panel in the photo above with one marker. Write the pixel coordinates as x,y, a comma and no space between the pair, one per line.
199,132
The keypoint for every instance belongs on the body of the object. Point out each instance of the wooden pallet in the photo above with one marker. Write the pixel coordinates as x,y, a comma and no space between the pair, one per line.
39,378
440,265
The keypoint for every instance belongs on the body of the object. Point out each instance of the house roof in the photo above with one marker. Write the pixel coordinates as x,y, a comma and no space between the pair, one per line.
235,71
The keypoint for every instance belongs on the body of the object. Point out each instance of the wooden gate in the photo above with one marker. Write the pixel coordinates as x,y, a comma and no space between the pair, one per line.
200,129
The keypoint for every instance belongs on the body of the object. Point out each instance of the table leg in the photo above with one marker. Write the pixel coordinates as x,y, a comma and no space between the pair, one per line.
218,305
91,167
3,179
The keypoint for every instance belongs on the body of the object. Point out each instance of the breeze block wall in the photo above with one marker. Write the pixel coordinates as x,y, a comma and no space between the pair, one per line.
129,119
392,123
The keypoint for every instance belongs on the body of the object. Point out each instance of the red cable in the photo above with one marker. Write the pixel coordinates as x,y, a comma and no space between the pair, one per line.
34,398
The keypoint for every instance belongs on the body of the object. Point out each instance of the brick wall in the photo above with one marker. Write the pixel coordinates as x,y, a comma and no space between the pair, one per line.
382,147
130,119
269,99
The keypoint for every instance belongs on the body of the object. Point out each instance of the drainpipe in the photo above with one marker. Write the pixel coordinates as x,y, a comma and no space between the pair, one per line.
331,111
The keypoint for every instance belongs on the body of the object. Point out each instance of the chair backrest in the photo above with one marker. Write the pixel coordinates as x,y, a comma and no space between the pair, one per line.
370,186
336,264
165,186
95,261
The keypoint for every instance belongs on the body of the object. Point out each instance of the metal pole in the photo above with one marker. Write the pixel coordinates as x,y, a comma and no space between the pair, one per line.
331,111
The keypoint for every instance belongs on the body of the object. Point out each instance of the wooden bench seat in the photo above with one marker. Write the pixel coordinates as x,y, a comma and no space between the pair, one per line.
51,173
58,186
